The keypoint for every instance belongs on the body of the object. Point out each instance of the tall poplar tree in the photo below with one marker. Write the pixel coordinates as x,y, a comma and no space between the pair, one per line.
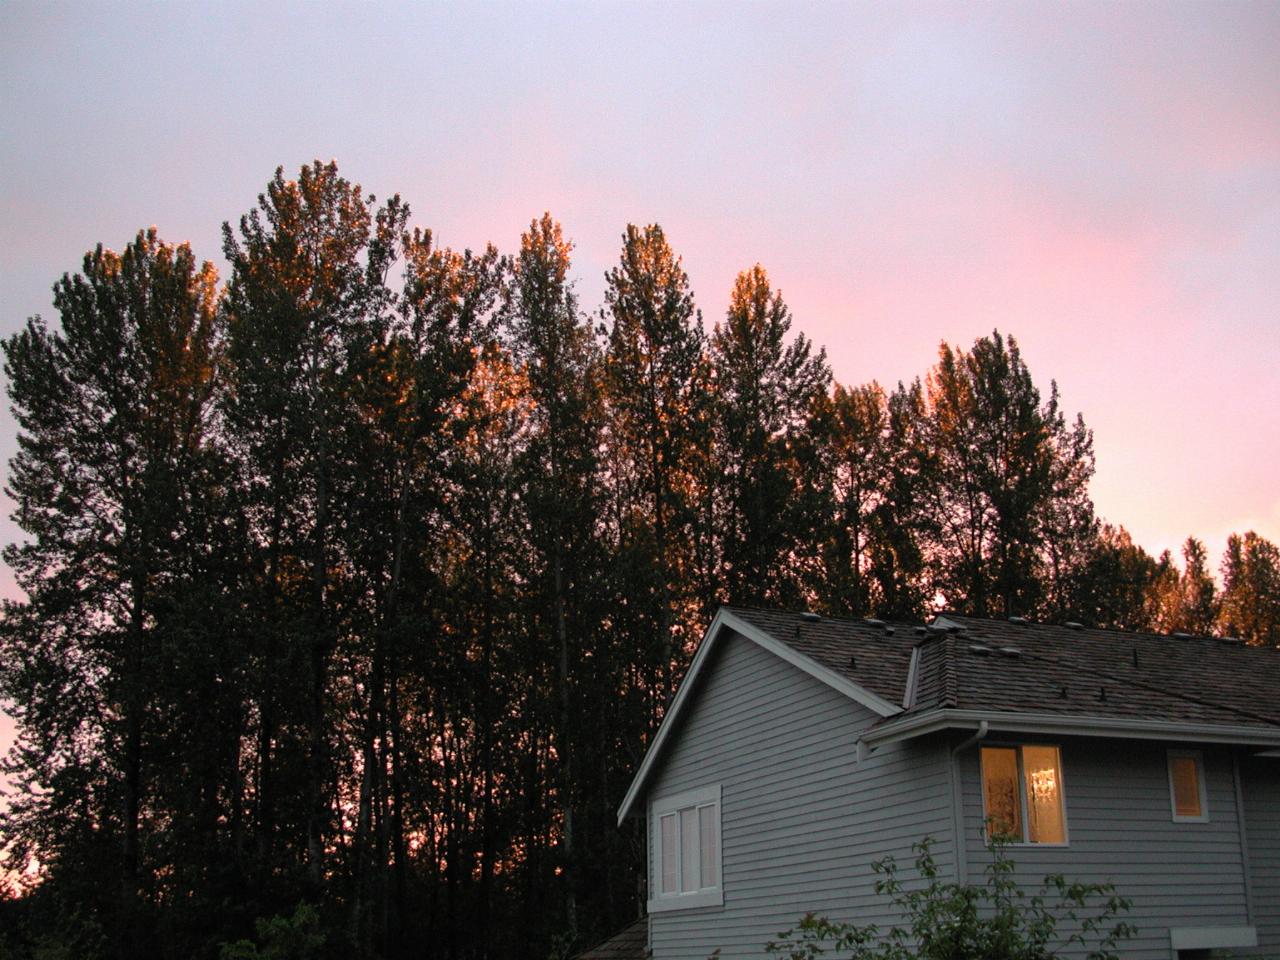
767,394
112,409
655,382
297,305
561,364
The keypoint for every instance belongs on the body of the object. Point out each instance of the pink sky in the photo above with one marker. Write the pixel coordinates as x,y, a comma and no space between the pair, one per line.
1100,180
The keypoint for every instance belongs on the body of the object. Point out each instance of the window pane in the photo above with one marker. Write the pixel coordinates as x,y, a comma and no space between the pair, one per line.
689,856
1185,775
1000,800
707,834
1044,795
670,867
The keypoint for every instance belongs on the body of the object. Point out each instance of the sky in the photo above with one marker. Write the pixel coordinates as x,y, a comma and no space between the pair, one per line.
1100,180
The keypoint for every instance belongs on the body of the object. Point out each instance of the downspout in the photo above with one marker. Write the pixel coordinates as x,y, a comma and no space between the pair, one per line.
957,803
1245,866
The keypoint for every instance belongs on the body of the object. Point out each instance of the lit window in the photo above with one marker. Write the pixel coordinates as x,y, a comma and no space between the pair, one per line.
1186,786
686,846
1022,793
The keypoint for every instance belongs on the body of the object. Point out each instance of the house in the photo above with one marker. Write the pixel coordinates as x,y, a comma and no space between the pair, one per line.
799,749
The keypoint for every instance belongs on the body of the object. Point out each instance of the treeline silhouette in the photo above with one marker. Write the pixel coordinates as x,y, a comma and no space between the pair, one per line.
360,581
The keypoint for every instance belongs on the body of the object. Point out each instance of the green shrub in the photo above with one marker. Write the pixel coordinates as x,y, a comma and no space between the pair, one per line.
955,921
281,938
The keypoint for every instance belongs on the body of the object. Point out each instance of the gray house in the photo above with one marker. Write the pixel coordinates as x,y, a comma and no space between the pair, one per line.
799,750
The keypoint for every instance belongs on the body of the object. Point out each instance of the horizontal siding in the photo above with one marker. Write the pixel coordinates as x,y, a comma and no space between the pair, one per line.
1120,830
1261,782
801,819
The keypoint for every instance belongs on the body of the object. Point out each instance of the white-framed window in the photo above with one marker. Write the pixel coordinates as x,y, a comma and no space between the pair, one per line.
1187,796
1022,793
685,840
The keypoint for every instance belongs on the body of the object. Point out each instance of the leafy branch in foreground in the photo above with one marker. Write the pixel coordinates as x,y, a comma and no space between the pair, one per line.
957,921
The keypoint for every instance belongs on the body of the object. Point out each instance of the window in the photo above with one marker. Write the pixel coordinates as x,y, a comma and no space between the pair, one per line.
686,849
1186,787
1022,793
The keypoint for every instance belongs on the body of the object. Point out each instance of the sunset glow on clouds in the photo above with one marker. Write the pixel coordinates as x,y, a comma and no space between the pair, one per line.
1100,180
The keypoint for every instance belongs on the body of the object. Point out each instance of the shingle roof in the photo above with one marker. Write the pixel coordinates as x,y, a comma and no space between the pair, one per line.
881,654
630,943
1112,673
968,663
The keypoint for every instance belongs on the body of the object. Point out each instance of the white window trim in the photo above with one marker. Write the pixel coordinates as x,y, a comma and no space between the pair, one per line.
707,896
1022,793
1198,757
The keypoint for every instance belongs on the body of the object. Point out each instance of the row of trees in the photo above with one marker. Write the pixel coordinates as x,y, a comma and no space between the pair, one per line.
362,579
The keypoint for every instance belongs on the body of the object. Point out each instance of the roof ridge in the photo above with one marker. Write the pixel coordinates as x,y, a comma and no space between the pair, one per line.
1151,687
1233,642
824,617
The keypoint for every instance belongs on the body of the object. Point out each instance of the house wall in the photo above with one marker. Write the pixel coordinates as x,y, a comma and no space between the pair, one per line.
1261,781
1120,829
801,818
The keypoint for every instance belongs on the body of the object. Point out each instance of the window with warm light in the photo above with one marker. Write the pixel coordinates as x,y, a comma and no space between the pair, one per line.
1022,793
686,850
1186,787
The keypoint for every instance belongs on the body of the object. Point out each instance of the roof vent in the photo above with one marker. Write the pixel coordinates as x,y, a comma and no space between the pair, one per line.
922,630
889,630
1011,651
1182,635
853,663
1074,625
872,622
1102,694
810,617
1136,665
1020,621
979,649
1063,694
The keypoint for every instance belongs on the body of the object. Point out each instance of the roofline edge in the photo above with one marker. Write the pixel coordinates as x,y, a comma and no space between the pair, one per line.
725,618
1115,727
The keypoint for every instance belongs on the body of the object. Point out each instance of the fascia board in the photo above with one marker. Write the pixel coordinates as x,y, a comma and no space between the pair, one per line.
710,639
1115,727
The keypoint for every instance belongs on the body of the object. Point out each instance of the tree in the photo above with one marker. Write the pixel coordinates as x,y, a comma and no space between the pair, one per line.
301,290
1115,589
767,396
1008,480
561,362
1250,603
872,563
111,476
655,389
1186,602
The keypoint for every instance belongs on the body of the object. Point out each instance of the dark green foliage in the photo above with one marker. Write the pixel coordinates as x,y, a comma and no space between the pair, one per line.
952,921
281,938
